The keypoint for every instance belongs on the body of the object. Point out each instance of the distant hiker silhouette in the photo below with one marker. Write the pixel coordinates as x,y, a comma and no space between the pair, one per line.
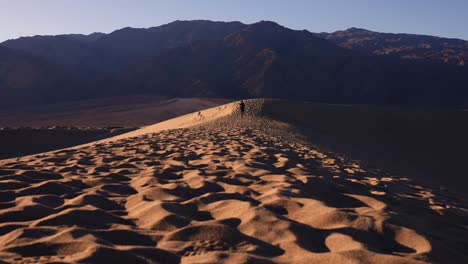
242,108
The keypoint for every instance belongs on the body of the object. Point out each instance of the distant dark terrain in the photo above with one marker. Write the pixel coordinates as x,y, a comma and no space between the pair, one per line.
17,142
235,60
425,144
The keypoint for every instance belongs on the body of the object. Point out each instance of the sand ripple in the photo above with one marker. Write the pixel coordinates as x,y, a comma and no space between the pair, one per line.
226,194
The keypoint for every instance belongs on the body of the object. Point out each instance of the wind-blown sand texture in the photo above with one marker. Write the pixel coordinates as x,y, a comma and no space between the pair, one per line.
219,188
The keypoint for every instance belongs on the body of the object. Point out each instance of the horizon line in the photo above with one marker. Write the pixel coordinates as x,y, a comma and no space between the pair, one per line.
222,21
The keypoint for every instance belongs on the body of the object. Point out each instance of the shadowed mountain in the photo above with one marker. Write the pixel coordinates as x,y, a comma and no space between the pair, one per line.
405,46
106,52
76,52
87,38
25,79
219,59
140,42
266,59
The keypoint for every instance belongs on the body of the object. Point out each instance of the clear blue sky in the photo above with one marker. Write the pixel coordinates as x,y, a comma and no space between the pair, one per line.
447,18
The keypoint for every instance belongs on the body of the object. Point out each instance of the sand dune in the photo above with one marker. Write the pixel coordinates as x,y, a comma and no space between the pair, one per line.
212,187
30,129
123,111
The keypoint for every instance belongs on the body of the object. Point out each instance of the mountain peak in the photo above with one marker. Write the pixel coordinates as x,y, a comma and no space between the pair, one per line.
87,38
358,30
266,24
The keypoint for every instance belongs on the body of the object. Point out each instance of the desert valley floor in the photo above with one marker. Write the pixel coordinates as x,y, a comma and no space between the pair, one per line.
216,187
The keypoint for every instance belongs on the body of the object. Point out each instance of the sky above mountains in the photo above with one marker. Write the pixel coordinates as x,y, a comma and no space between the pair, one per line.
446,18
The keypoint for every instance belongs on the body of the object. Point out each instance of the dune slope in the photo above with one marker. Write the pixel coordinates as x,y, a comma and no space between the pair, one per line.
123,111
220,188
87,121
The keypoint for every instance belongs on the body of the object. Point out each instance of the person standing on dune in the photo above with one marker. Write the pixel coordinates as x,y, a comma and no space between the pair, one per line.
242,108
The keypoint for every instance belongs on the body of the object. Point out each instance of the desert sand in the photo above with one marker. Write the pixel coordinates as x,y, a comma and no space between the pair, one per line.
44,128
212,187
118,111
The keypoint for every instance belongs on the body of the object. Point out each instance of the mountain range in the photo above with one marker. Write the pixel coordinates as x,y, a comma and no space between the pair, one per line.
235,60
404,46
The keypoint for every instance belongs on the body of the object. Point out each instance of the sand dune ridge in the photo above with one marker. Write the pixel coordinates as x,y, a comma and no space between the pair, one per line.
218,188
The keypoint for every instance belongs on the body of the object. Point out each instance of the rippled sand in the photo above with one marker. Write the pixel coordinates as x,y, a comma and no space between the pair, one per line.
239,190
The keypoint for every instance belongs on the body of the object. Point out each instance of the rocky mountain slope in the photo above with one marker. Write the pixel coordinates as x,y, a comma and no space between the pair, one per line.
405,46
233,60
